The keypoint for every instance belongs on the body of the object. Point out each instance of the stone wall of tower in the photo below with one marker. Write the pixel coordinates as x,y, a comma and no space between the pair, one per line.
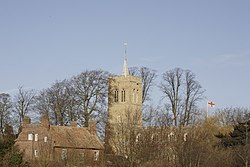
124,108
128,104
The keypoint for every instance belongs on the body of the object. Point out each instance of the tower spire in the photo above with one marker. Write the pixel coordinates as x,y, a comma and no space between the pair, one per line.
125,65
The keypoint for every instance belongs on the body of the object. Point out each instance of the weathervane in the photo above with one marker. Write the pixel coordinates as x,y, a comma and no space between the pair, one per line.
125,47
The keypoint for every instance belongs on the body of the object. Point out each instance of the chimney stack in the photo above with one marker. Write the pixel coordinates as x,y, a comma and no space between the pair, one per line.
92,127
45,121
26,121
73,123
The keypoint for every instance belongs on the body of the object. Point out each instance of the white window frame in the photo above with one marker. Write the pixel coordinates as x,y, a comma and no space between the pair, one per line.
36,153
64,154
96,155
36,137
30,136
45,139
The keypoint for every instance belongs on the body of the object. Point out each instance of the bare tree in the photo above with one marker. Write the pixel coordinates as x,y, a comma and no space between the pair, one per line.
42,104
58,102
232,115
90,92
5,109
24,100
170,86
122,138
183,92
193,94
148,77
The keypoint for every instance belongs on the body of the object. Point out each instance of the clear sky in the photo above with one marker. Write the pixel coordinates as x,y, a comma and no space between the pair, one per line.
48,40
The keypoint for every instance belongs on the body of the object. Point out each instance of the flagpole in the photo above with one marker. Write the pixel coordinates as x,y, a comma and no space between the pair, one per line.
209,104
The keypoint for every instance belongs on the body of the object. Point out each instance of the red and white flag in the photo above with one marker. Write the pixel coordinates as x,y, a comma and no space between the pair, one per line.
210,104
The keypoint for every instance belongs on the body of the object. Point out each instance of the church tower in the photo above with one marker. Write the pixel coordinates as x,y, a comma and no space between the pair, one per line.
124,106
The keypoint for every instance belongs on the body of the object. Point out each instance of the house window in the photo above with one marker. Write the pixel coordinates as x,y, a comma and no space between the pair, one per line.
123,96
171,137
185,137
45,139
30,136
36,153
64,154
36,137
82,158
96,155
116,95
138,137
155,138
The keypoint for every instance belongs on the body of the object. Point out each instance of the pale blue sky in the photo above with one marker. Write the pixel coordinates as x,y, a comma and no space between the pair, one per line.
48,40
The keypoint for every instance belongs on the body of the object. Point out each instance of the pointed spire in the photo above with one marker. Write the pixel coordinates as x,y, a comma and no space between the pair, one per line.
125,65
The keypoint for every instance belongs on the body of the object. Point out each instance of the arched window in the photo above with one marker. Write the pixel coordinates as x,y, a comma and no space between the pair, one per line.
123,96
116,96
185,137
138,137
155,138
171,137
96,155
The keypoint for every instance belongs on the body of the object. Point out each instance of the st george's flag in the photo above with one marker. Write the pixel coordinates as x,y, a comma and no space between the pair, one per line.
210,104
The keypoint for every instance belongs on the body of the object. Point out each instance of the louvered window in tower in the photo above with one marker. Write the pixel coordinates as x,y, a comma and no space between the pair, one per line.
116,96
123,96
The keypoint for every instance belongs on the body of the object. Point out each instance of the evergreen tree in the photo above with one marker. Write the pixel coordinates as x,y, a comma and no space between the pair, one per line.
239,136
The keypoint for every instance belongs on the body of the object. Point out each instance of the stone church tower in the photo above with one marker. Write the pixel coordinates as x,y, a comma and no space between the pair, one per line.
124,107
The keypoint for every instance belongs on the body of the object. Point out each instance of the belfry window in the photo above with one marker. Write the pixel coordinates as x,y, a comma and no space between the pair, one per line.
116,96
123,96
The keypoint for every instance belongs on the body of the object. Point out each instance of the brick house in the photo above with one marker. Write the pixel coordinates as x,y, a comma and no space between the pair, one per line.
60,145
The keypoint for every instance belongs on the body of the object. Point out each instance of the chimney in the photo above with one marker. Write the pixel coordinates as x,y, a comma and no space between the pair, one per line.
26,121
45,121
92,127
73,123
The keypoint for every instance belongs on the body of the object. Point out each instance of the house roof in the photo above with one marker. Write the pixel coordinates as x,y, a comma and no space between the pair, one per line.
74,137
62,136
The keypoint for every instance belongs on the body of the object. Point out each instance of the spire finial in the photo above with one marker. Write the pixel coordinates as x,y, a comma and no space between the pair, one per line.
125,49
125,66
